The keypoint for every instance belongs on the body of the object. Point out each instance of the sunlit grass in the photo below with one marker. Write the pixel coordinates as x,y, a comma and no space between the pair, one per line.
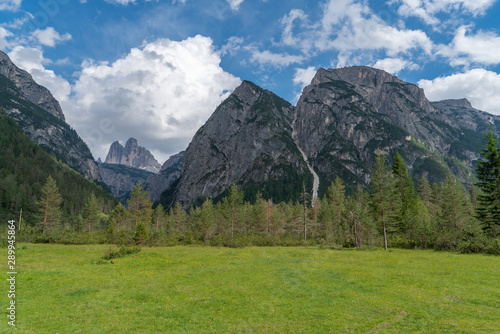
61,289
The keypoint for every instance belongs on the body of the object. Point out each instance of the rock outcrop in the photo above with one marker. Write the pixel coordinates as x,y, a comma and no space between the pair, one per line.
132,155
170,172
342,119
40,116
247,141
28,89
121,179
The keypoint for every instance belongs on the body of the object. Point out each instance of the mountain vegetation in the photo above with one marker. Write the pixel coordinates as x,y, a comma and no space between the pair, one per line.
51,194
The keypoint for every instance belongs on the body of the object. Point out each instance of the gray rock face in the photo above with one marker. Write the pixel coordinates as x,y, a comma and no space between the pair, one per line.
341,120
247,141
132,155
121,179
125,166
28,88
169,173
41,126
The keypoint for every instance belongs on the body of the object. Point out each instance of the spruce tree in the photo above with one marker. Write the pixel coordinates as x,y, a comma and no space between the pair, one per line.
488,173
336,204
232,204
91,212
139,205
384,200
49,205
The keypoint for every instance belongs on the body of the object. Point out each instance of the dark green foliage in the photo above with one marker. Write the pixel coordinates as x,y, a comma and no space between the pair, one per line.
385,201
488,173
49,206
37,118
121,252
24,168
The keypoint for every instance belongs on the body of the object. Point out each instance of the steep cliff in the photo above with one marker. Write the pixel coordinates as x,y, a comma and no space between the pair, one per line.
247,141
342,119
132,155
40,117
28,89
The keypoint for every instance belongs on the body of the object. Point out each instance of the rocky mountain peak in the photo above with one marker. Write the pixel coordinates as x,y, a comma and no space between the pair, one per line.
464,103
356,75
132,155
30,90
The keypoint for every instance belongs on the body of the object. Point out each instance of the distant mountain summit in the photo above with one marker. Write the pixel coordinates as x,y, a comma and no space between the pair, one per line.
342,120
28,88
132,155
40,116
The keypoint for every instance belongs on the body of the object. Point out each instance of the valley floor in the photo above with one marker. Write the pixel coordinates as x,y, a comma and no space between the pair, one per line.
70,289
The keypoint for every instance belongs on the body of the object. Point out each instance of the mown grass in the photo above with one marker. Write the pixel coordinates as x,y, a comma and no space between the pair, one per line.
62,289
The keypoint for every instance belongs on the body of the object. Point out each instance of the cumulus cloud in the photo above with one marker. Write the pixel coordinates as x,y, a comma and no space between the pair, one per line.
235,4
394,65
350,26
121,2
304,76
49,37
10,5
479,86
274,59
160,94
32,61
481,48
426,10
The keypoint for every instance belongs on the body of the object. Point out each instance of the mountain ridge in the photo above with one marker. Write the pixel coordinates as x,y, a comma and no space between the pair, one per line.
340,121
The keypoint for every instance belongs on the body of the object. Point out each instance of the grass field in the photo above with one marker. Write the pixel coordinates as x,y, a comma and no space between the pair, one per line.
62,289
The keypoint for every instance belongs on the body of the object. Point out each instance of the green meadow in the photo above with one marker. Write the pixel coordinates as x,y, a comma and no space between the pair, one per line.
70,289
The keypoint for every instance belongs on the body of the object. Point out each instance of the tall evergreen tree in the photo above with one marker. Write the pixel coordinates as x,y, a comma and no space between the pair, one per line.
91,212
384,200
49,205
139,205
158,217
488,173
336,204
406,191
232,204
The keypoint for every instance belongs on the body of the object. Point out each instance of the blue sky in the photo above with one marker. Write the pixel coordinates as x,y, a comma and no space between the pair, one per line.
156,70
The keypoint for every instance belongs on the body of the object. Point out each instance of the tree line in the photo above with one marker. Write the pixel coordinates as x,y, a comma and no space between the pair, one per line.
61,206
390,212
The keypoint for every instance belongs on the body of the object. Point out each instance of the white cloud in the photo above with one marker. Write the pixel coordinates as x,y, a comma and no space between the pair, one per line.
479,86
233,44
350,26
427,9
121,2
304,76
394,65
10,5
481,48
235,4
274,59
160,94
4,34
32,61
49,37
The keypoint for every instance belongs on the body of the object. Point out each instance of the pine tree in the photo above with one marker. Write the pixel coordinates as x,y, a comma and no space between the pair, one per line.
91,212
206,219
488,173
139,205
406,191
119,216
49,205
336,204
158,217
456,215
384,200
232,204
